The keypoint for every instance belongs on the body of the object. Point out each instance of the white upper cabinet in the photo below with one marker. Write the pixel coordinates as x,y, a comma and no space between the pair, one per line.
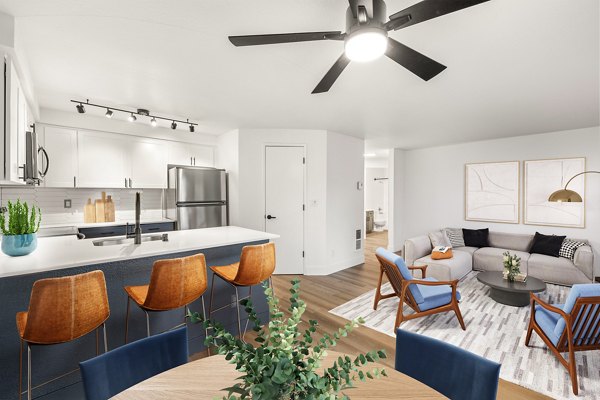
102,160
148,161
61,146
190,154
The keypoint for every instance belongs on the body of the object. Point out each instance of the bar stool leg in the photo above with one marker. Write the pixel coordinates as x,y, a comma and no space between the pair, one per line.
210,304
97,342
247,319
105,339
237,307
28,372
127,319
21,370
147,323
206,329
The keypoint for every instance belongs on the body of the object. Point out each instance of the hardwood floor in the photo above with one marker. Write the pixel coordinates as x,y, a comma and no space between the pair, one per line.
322,293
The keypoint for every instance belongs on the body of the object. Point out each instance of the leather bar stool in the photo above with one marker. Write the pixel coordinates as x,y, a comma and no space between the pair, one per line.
174,283
256,265
61,310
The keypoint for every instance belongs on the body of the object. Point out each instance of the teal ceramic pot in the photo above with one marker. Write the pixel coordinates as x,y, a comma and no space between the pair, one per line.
19,245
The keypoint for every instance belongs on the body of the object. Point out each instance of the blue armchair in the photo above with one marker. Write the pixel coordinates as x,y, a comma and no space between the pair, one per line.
111,373
425,296
452,371
570,327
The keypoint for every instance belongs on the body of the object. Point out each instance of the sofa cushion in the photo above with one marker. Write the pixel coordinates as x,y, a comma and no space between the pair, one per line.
555,269
491,259
436,296
446,270
547,244
476,237
467,249
547,320
510,241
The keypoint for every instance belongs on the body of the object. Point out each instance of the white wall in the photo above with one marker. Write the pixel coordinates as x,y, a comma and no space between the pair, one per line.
433,192
376,193
345,202
334,164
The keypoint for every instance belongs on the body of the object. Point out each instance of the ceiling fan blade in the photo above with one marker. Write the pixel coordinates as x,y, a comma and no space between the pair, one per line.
256,40
396,23
417,63
428,9
332,75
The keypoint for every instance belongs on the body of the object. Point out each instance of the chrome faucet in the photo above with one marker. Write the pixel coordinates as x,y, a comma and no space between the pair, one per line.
137,232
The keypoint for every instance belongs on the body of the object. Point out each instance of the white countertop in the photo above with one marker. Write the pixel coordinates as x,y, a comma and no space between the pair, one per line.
61,252
102,224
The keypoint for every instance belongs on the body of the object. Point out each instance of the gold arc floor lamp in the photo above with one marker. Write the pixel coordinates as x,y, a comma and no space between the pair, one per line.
569,196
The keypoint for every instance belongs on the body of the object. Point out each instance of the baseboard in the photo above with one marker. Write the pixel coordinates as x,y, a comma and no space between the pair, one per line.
336,267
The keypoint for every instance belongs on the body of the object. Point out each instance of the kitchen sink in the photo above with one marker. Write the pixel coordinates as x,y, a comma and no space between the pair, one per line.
123,240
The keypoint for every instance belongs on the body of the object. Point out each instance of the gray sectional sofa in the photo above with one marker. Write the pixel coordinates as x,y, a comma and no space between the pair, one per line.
558,270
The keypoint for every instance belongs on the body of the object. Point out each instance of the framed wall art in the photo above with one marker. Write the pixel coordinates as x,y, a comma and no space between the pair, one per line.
492,192
542,178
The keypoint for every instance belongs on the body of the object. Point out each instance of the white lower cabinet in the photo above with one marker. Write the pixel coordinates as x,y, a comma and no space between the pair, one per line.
61,146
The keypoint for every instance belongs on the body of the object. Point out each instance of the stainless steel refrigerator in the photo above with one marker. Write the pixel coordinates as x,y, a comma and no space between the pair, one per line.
197,197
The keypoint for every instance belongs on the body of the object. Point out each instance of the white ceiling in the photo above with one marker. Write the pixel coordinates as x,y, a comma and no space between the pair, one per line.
515,67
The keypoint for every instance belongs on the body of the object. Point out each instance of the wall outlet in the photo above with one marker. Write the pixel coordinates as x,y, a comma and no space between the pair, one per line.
67,203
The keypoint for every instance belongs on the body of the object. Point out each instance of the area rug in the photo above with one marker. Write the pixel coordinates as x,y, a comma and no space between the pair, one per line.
494,331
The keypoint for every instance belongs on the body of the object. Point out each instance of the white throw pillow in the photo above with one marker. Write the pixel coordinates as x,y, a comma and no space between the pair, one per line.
439,238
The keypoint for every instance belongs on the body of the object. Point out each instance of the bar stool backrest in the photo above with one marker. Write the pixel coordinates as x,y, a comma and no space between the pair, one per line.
66,308
257,264
176,283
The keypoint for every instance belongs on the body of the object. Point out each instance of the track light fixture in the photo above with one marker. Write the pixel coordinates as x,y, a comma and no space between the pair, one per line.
132,115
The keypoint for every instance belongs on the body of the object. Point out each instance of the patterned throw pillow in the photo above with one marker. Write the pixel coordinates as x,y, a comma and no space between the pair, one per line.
456,237
569,247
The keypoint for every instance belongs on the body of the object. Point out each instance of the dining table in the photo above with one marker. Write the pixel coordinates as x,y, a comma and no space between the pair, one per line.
207,377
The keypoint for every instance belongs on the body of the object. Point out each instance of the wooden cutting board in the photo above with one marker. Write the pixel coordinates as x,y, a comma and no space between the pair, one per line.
100,207
89,212
109,210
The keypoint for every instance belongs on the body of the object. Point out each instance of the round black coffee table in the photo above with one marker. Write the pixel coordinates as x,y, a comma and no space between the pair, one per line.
510,293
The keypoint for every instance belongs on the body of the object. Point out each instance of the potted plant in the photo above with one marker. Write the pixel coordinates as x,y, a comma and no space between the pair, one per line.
511,266
285,364
19,229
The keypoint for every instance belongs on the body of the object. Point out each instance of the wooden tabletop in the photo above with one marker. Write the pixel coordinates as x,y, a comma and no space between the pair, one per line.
204,379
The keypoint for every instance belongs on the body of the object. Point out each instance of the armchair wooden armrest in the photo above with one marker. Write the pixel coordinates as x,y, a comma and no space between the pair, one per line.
453,283
422,268
535,299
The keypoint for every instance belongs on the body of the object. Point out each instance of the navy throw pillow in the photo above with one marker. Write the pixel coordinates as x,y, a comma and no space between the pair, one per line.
476,237
548,245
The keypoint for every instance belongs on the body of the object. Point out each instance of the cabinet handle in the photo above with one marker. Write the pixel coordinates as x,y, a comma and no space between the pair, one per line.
130,185
194,160
74,181
125,182
191,160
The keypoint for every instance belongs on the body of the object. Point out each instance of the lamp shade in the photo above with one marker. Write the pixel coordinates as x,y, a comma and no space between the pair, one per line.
565,196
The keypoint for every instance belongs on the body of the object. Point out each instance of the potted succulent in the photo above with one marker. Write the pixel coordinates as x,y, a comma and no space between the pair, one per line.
286,363
19,225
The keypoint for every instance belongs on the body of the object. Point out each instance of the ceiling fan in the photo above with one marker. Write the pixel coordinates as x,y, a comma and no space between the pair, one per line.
366,37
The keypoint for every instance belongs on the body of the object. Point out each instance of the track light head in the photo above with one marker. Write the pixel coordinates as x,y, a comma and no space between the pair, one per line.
192,128
109,113
131,118
173,125
153,122
80,108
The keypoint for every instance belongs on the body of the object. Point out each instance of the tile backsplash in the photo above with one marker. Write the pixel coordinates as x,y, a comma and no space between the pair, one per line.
51,202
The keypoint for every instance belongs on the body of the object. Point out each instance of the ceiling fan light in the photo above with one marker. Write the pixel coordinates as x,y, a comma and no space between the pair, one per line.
366,45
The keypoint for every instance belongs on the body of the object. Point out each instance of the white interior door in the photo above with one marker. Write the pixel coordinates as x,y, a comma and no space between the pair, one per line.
284,205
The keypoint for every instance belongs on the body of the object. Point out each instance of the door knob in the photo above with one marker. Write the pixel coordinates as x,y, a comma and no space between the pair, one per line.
271,217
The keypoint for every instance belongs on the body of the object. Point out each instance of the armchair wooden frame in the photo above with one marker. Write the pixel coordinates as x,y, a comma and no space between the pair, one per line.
401,290
579,335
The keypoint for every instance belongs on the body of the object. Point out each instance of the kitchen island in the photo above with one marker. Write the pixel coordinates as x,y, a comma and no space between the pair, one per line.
123,265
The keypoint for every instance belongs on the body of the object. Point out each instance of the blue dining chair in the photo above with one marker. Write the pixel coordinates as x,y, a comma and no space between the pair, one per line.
456,373
112,372
570,327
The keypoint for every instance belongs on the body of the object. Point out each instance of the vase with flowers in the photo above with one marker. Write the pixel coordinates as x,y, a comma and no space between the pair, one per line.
511,266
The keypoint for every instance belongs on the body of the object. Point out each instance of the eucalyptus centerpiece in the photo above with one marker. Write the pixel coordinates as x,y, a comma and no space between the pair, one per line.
286,363
511,266
19,225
